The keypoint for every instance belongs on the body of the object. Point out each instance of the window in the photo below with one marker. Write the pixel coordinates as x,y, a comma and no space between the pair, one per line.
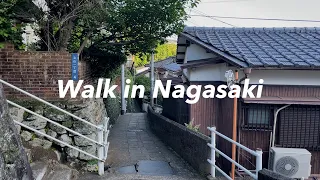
257,116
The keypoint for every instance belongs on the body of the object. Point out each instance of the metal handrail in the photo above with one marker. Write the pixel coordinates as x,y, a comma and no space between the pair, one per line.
102,133
212,145
49,104
55,123
232,141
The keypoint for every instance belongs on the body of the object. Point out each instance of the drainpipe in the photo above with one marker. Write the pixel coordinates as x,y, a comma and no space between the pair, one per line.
275,123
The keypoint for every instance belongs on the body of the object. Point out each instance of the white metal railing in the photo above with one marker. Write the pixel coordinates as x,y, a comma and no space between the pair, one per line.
212,161
102,130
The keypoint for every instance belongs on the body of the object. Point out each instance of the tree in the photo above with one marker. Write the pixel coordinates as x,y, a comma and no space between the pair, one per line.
10,30
136,25
161,52
139,25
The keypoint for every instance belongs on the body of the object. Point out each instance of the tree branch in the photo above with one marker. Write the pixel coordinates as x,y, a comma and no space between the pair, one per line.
84,42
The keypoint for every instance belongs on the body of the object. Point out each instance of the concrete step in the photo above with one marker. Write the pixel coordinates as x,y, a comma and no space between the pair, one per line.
39,169
43,171
63,172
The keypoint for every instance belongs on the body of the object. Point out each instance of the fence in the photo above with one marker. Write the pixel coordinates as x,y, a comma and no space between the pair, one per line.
102,130
212,161
176,110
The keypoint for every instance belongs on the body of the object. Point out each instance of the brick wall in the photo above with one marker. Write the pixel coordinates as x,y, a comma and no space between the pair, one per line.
37,72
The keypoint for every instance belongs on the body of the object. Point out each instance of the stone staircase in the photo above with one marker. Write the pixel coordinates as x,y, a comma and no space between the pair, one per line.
52,171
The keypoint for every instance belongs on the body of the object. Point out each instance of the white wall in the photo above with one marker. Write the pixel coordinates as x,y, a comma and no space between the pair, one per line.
195,52
286,77
213,72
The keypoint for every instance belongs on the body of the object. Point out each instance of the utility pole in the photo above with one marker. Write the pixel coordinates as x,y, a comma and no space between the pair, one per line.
123,100
234,128
152,79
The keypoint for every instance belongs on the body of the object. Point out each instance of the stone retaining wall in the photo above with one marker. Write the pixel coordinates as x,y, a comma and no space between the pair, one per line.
190,145
92,110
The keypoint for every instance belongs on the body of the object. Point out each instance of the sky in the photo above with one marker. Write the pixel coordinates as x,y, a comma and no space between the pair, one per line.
283,9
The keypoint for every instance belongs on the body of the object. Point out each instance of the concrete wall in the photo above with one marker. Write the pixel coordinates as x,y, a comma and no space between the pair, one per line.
191,146
37,72
269,175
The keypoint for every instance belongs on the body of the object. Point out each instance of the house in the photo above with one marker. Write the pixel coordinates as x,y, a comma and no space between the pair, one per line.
287,59
166,68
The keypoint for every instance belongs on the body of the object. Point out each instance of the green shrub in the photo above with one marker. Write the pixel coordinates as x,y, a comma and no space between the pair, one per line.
192,127
145,81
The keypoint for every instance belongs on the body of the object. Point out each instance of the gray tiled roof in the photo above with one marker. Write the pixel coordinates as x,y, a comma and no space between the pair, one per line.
162,63
264,47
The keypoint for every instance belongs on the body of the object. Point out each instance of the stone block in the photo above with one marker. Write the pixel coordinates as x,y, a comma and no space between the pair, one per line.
52,133
89,149
56,115
65,138
35,122
37,142
57,129
72,153
80,141
26,135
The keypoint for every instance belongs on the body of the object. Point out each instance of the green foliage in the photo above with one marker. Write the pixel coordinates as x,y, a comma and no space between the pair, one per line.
10,29
192,126
92,162
113,107
165,50
104,61
105,27
145,81
161,52
140,25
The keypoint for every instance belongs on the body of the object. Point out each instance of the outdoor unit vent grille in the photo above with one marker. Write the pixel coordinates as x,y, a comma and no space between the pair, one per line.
287,166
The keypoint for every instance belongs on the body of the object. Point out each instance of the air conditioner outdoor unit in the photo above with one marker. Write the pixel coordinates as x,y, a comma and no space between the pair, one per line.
290,162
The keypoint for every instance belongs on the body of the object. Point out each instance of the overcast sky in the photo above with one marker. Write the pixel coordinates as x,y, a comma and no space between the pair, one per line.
284,9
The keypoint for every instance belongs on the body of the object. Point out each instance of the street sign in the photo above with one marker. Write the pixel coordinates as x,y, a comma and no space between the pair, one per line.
75,66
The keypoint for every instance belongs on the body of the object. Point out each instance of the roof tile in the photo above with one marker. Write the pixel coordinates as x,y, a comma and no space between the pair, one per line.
264,46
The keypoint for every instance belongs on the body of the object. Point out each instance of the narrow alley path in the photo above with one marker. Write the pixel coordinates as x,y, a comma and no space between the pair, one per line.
136,153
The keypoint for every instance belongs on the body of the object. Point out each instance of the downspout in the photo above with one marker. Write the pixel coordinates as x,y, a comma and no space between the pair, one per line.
275,123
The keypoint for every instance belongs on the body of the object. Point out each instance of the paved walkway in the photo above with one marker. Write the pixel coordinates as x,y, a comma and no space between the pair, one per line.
132,141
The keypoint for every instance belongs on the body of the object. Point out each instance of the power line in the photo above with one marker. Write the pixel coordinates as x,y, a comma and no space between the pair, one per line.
224,1
252,18
206,15
192,22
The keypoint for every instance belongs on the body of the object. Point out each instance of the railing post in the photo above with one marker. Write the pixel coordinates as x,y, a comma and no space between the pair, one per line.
258,161
213,152
100,151
106,134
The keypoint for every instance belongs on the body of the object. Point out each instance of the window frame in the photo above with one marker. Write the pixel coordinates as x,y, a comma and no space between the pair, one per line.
245,108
